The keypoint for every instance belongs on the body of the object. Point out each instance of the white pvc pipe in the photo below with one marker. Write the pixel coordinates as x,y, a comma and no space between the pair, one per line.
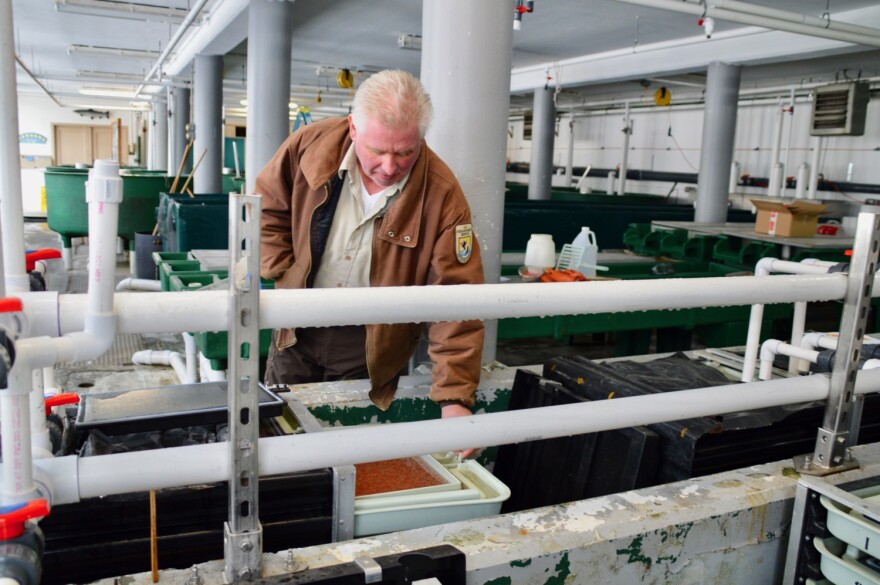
627,131
798,322
609,183
103,194
871,40
734,177
207,371
192,357
178,34
208,311
86,477
773,347
814,168
803,181
149,357
871,364
777,14
67,257
40,440
753,338
11,214
775,171
139,284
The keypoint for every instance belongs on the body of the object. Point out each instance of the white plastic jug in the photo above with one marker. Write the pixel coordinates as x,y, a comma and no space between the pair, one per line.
586,240
541,251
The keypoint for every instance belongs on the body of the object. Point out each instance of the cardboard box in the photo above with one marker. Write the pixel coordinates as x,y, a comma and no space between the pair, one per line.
797,219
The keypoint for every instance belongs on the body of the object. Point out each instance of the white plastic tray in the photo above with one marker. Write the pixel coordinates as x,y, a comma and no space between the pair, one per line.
841,570
851,526
404,515
449,483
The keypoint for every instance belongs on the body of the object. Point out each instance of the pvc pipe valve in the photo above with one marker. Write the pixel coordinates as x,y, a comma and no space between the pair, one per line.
13,518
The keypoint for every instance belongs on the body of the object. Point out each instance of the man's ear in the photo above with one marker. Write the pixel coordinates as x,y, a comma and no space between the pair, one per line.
352,131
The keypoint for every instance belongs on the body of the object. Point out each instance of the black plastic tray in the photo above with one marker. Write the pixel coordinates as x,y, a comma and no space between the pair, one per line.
165,407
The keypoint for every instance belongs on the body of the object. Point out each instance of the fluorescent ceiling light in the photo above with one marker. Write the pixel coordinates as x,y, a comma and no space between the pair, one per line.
117,52
110,107
115,92
127,10
108,75
408,41
291,105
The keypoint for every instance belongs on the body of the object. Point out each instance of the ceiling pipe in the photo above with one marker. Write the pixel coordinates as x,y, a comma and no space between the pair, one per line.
37,81
754,9
190,18
752,19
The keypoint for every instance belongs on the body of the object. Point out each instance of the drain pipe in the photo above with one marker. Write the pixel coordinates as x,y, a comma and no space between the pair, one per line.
753,338
149,357
207,371
103,193
74,477
139,284
191,353
627,132
777,171
773,347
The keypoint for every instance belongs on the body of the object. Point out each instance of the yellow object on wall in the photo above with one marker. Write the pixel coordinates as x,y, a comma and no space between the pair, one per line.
43,205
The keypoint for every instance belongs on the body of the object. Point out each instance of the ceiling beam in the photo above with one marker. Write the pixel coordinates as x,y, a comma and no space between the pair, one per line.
744,46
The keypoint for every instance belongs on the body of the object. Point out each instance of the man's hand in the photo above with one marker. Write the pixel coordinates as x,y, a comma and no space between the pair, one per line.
453,411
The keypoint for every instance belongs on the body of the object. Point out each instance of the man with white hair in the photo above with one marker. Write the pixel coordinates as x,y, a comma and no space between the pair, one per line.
362,201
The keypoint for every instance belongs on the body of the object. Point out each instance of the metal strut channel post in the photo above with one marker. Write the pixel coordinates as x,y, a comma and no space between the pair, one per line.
243,535
831,453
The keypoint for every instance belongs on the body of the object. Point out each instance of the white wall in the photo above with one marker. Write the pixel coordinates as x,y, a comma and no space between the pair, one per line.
37,113
599,142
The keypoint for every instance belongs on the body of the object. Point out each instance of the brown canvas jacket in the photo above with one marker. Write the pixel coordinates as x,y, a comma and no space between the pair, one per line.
414,243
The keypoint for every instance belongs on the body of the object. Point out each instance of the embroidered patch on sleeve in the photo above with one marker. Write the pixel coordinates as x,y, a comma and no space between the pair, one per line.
464,242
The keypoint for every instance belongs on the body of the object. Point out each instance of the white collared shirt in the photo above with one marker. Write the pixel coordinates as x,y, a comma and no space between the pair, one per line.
349,251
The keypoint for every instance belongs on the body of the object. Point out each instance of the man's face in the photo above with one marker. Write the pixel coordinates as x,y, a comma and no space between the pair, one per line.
385,155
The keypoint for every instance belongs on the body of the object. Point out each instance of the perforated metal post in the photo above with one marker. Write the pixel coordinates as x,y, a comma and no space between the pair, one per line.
242,538
831,453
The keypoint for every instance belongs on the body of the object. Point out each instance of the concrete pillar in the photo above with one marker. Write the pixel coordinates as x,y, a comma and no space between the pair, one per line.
158,135
543,133
268,83
178,118
466,58
719,132
208,88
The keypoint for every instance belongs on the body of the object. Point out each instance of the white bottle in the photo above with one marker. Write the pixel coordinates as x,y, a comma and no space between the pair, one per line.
586,240
541,251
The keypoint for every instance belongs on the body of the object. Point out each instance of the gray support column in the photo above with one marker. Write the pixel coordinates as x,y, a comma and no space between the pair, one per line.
178,118
208,124
466,57
719,132
543,130
159,135
268,83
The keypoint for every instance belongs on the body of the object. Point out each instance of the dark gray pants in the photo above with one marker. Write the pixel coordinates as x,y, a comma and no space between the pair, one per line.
321,354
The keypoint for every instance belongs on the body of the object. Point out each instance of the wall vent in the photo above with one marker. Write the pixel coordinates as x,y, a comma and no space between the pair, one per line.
840,109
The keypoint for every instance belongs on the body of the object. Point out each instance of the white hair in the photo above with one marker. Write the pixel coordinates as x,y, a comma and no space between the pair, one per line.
393,98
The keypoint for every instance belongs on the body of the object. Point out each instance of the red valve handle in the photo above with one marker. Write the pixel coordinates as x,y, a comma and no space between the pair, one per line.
12,523
60,400
11,305
31,258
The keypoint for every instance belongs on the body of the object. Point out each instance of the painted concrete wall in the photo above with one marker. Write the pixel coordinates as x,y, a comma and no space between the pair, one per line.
37,114
598,141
